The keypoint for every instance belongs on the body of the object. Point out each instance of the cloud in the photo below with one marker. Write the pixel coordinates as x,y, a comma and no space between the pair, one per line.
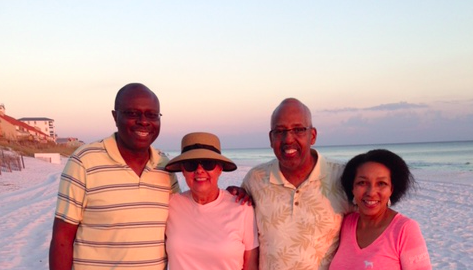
382,107
396,123
396,106
457,102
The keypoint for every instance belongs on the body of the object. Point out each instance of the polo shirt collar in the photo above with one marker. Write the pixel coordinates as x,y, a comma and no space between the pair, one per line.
110,144
318,173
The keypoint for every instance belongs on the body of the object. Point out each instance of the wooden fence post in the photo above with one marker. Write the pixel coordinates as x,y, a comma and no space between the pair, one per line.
9,166
18,163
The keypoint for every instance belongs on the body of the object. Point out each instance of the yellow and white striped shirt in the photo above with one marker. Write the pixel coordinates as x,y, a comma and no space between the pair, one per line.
121,216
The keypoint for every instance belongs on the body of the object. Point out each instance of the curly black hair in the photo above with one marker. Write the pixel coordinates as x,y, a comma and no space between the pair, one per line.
401,178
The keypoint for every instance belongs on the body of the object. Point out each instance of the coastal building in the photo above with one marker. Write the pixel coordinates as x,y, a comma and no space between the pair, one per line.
15,130
43,124
7,129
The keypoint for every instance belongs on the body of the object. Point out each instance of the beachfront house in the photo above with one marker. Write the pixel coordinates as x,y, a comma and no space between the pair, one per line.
45,125
15,130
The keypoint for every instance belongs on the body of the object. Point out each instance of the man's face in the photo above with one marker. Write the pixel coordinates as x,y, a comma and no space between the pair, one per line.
137,119
292,148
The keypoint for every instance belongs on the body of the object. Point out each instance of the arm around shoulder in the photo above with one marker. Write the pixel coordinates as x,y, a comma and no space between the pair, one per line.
240,195
62,244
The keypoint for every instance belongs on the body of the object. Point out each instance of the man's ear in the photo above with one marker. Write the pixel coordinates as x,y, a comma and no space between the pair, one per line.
114,114
313,135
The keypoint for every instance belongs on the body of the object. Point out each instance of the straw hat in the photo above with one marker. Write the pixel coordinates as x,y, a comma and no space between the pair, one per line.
200,145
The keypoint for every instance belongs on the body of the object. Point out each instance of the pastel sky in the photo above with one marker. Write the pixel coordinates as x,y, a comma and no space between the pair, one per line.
371,72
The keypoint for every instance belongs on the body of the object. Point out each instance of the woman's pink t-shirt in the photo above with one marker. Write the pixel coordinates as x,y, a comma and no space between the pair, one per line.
400,246
212,236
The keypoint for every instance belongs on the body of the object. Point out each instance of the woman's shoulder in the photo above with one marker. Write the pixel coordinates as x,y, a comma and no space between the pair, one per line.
229,200
227,197
402,219
352,216
177,197
404,223
350,220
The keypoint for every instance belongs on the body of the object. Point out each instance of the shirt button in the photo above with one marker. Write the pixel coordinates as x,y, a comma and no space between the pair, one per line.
297,191
296,203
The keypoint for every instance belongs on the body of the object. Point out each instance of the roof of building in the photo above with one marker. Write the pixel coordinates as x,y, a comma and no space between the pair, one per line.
35,119
15,122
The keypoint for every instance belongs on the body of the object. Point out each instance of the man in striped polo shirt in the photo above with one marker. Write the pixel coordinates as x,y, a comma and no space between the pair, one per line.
113,194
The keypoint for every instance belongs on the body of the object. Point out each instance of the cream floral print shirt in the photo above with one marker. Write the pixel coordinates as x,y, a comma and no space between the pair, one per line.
298,227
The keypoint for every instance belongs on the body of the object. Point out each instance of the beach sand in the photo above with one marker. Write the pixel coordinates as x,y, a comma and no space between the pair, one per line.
442,205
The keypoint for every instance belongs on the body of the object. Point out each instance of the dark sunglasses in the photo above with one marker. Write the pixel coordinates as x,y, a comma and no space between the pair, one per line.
207,164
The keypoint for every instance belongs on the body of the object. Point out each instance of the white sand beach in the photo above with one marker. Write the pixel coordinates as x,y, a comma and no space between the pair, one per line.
443,206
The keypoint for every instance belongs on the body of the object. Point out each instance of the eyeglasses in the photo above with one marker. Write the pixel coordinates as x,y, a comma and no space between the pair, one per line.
135,114
207,164
298,131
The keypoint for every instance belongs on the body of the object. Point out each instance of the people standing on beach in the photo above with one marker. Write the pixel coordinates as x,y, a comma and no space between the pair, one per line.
113,194
206,229
299,203
376,236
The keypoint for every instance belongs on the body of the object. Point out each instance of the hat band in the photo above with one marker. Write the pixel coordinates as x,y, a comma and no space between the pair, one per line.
200,146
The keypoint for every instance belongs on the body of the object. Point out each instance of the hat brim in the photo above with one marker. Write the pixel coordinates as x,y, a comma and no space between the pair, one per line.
174,165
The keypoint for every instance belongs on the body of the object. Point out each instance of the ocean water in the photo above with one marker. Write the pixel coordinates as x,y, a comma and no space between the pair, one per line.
434,161
445,156
456,156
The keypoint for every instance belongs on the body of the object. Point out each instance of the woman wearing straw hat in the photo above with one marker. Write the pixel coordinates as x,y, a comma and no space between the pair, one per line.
206,229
